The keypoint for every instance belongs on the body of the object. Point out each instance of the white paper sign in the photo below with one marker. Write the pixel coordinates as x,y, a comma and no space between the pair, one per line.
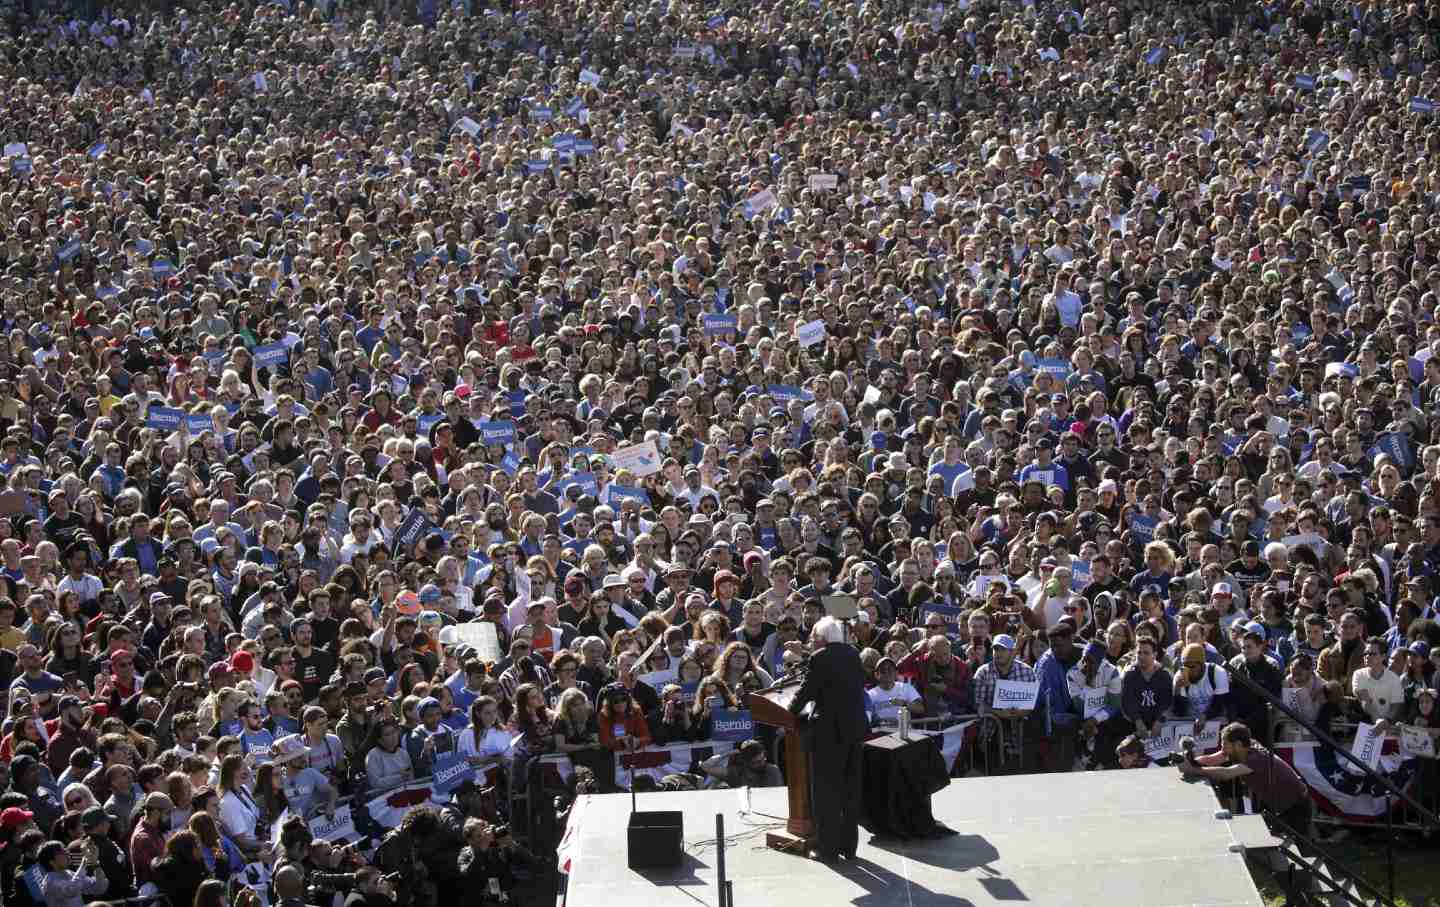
339,829
1094,701
1366,747
1162,744
481,636
1417,741
590,77
824,182
1015,694
759,202
811,333
469,126
643,459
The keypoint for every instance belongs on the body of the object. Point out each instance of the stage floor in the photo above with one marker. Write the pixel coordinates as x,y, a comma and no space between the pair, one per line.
1138,838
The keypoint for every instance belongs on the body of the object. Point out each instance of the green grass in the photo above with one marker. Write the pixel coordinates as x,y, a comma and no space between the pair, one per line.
1417,871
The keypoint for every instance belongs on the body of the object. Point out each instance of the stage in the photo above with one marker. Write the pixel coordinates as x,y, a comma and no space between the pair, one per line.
1142,838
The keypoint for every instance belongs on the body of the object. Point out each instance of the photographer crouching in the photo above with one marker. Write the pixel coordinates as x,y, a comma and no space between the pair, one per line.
1277,789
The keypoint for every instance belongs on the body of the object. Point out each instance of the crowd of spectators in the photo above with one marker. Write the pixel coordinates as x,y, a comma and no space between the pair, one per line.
1086,344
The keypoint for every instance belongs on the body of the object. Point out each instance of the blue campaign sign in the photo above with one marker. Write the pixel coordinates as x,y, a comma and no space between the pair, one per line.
1397,445
271,354
196,423
510,463
721,324
1155,56
451,769
948,613
574,107
1421,105
69,250
97,149
734,725
586,481
1305,83
564,142
426,420
164,418
584,147
411,529
628,492
541,113
537,166
1143,528
1316,140
162,268
1056,367
497,432
788,392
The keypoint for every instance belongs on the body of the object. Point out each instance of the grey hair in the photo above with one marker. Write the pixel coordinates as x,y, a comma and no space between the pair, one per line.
829,630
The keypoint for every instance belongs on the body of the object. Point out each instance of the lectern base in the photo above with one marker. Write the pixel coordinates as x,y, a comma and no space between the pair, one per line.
785,842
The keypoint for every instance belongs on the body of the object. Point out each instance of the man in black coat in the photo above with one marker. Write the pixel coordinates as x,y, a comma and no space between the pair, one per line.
837,727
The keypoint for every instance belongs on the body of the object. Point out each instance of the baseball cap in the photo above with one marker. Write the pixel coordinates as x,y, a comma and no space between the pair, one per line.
407,603
1221,589
242,662
1003,641
14,817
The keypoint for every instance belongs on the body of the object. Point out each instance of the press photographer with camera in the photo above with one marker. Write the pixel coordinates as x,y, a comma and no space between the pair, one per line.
1271,781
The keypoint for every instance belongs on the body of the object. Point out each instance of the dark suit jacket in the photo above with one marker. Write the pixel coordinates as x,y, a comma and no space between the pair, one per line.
836,684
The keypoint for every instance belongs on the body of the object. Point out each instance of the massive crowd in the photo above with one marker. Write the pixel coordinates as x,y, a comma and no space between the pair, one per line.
385,381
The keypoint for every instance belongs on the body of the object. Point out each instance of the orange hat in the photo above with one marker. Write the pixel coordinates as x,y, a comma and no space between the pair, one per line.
407,603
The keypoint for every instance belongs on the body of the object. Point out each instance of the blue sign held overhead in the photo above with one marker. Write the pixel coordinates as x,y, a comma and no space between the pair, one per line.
1395,444
271,354
585,480
510,463
411,529
1059,368
536,166
584,147
164,418
1422,105
497,432
564,142
948,613
196,423
1155,56
629,492
715,325
1143,528
425,421
1305,83
541,113
788,392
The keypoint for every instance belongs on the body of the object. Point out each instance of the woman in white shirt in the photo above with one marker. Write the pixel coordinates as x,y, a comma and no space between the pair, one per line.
238,810
485,743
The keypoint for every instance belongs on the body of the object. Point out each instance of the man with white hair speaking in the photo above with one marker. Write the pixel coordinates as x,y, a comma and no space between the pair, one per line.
837,726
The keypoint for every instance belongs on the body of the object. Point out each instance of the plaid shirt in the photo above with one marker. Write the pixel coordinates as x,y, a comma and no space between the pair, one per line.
984,686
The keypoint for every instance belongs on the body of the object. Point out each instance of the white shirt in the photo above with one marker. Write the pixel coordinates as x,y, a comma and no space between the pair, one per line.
494,742
1387,692
238,816
885,708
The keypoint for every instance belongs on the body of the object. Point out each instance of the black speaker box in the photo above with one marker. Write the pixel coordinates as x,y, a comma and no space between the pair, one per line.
656,839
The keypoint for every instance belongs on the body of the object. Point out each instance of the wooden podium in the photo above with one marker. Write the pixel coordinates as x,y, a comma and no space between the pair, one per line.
772,707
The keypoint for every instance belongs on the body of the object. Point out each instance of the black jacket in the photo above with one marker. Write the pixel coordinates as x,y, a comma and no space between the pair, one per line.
835,682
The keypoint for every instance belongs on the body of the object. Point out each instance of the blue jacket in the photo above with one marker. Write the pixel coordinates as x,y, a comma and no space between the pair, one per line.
1060,713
